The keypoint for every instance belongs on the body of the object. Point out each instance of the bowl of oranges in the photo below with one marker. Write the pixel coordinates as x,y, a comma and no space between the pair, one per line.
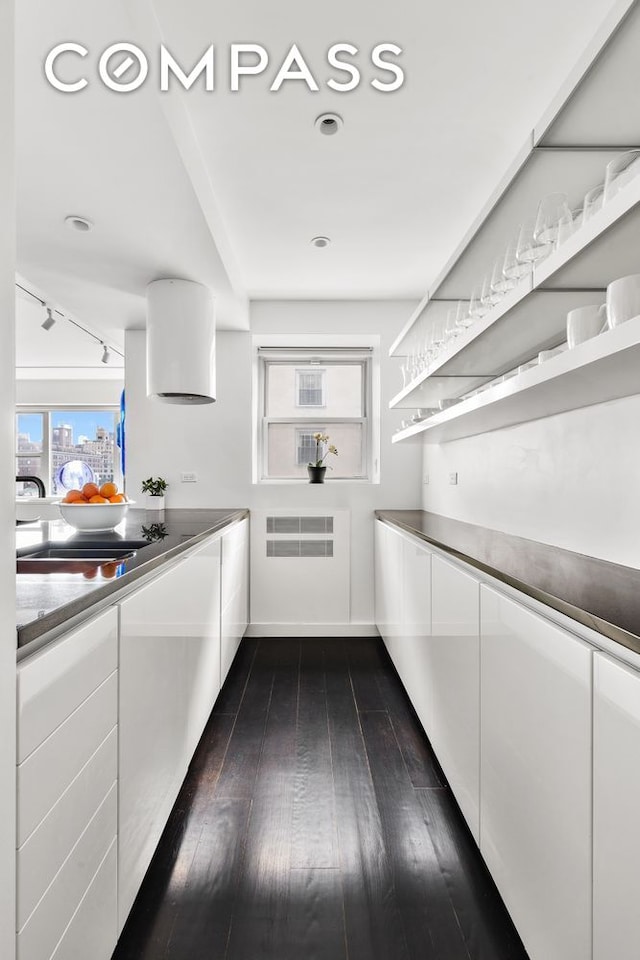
106,507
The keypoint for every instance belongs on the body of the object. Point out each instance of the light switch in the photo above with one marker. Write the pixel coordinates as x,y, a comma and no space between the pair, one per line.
189,477
453,478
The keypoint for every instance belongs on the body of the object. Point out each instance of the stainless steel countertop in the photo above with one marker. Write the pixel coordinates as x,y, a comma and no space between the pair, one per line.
602,596
46,604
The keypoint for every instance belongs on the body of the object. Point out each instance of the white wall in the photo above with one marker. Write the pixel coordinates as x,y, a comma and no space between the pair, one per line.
572,480
7,489
215,441
61,393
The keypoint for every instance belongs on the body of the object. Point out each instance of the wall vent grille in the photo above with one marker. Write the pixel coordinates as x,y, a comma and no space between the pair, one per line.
299,524
300,548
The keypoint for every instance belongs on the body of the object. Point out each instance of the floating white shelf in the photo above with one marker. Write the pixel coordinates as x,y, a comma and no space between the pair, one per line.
604,368
588,123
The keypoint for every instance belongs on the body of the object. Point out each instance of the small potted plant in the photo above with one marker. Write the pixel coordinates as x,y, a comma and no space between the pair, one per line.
318,467
154,487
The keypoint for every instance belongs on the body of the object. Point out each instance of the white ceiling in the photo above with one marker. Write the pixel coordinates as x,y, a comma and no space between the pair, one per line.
228,188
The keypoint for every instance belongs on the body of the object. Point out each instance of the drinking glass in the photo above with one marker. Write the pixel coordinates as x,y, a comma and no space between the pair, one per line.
551,210
477,309
568,224
530,249
593,201
500,283
620,172
452,328
489,296
513,268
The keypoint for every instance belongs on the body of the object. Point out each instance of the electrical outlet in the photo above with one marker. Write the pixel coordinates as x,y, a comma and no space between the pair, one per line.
189,477
453,478
425,479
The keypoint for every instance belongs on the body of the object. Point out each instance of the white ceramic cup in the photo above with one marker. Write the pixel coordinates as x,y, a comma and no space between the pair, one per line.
623,300
585,323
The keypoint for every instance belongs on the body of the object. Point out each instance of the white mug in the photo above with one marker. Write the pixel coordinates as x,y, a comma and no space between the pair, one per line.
623,300
585,323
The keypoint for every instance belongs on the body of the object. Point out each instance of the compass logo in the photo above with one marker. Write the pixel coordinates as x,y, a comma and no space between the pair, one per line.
124,67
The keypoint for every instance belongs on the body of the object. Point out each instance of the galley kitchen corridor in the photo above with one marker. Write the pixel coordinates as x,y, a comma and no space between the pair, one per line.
315,824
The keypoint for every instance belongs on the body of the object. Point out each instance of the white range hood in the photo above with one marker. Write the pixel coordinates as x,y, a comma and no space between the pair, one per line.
181,337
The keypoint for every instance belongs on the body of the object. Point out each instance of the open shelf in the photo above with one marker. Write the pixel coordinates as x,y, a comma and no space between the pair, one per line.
514,332
588,124
604,368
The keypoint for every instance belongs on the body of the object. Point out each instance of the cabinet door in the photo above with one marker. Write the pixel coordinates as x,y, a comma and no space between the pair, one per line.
411,642
616,802
535,775
169,679
454,670
235,593
388,561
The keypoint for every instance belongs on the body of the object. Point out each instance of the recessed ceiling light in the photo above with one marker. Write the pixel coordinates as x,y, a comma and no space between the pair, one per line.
328,123
78,223
320,242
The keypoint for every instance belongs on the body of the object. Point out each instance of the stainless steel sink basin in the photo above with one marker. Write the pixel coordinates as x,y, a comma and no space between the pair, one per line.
82,550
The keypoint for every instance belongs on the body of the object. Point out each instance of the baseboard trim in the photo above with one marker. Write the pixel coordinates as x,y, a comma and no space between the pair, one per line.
312,630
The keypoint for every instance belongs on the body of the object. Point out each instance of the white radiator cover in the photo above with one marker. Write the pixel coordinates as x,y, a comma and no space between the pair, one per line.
310,588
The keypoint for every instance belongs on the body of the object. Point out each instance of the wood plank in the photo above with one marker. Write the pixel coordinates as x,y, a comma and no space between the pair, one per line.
431,926
316,916
314,836
365,666
260,924
240,767
486,925
233,688
372,917
419,758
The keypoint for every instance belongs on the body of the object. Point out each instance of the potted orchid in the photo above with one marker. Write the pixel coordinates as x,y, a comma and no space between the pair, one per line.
318,467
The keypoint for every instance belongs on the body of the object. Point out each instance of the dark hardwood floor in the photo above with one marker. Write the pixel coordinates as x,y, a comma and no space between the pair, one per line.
316,824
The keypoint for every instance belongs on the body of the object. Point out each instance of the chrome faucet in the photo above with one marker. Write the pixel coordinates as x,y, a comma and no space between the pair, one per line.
36,480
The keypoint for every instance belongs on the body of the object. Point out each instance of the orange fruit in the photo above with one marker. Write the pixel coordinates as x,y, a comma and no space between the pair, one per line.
108,490
81,503
118,498
72,496
98,499
90,490
109,570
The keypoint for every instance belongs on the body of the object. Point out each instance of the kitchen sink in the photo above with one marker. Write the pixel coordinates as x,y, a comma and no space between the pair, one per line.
95,550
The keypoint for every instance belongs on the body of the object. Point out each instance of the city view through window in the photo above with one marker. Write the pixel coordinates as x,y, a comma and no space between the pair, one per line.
81,440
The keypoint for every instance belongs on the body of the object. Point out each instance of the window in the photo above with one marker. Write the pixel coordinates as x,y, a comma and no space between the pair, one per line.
67,447
303,392
310,388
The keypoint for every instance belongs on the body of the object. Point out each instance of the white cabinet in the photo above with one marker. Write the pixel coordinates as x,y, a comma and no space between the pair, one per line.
616,802
454,672
67,775
535,784
169,680
234,592
403,609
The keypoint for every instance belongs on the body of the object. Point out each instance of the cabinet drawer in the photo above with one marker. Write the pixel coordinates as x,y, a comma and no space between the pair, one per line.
45,927
54,682
48,771
43,854
92,932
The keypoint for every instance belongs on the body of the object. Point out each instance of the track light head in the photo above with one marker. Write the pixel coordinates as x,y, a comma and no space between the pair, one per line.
106,356
49,320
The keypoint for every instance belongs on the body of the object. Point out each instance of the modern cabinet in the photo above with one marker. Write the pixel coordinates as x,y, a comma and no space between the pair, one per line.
616,802
535,783
403,579
169,680
67,793
453,656
234,593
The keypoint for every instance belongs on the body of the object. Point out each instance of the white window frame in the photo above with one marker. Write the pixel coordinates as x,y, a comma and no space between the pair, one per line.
46,411
322,373
301,358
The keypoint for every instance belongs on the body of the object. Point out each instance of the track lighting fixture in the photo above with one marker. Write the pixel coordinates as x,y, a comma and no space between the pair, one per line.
106,356
49,320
